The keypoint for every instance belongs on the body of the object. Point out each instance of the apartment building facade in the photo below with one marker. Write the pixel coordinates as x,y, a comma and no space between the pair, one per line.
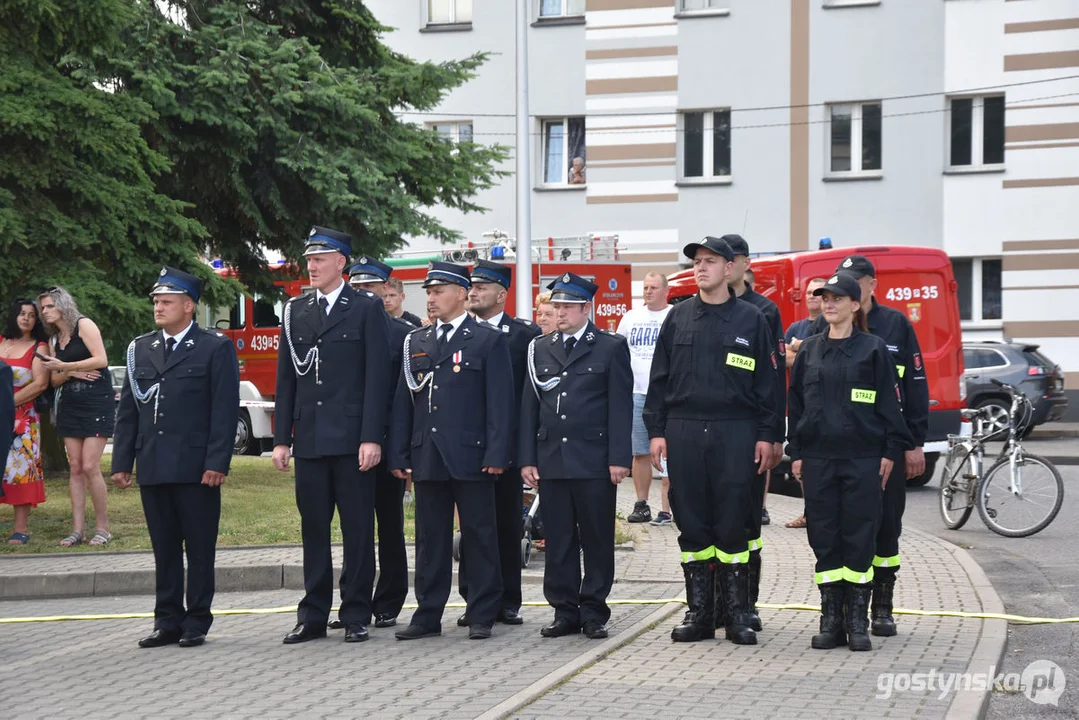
947,123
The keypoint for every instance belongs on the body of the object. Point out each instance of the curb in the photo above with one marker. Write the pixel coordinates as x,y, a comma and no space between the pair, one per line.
111,583
556,677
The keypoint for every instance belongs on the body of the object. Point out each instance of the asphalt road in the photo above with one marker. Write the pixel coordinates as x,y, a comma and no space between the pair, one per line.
1035,576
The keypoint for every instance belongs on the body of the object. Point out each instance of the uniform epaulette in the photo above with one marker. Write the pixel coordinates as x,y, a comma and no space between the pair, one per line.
526,322
146,335
416,330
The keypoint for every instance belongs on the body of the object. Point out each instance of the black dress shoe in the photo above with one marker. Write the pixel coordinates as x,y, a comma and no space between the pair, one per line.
558,628
385,620
304,632
356,632
415,632
595,630
335,624
462,620
160,638
509,616
479,632
192,638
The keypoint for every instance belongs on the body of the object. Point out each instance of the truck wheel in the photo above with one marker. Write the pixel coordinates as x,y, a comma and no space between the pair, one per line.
930,469
246,443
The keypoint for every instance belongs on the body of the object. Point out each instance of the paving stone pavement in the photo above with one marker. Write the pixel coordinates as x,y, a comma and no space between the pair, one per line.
94,669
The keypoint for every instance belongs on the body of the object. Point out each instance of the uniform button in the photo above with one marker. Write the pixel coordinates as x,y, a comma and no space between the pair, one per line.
161,414
563,417
565,374
436,387
563,394
434,429
319,403
565,439
320,341
160,432
318,382
438,367
434,409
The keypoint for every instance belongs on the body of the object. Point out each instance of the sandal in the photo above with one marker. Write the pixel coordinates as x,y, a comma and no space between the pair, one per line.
101,537
71,540
798,522
18,538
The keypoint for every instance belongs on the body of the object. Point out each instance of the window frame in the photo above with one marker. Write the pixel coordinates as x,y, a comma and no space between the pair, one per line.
452,24
455,136
541,166
977,136
977,297
707,176
857,135
538,17
681,11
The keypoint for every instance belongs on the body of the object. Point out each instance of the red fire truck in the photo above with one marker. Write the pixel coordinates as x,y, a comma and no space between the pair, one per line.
254,322
917,281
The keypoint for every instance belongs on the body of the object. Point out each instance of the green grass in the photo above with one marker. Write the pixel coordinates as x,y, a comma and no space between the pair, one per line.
258,507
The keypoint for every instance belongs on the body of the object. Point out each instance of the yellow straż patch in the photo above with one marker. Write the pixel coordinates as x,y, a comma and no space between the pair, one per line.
863,396
741,361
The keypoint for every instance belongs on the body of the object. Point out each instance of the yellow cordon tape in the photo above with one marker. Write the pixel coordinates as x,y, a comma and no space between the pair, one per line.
663,601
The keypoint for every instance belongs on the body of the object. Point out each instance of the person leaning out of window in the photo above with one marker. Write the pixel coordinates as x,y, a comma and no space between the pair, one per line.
845,432
85,409
24,478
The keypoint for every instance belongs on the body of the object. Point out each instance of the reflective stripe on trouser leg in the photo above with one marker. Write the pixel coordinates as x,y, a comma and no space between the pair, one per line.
698,555
858,577
828,576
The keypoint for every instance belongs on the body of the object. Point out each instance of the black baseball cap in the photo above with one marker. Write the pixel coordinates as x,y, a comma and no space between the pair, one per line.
717,245
858,266
841,284
738,244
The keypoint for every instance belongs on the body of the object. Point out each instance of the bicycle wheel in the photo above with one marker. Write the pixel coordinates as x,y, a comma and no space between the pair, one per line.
1023,513
956,499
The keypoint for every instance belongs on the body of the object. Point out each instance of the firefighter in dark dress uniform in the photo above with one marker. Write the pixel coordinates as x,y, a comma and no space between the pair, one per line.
758,515
333,386
846,434
893,327
487,301
576,423
452,425
710,410
177,422
368,275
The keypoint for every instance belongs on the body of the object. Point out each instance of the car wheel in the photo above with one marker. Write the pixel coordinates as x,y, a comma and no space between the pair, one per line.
998,414
245,443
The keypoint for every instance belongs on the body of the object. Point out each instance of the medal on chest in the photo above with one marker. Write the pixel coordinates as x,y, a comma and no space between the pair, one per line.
457,361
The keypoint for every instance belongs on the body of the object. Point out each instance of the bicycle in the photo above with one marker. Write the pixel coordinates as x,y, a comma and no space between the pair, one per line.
1017,483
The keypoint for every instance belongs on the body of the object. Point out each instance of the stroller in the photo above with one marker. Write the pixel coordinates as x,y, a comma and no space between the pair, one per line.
532,535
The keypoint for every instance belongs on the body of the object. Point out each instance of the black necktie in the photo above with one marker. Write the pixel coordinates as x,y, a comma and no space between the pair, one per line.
323,303
170,345
570,343
444,335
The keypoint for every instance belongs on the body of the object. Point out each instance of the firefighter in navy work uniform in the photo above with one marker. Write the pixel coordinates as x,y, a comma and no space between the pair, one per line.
452,429
370,275
177,422
333,385
710,411
893,327
758,515
487,301
846,434
576,427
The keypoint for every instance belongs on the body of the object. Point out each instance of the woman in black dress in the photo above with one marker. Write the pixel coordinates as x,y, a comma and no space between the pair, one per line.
84,407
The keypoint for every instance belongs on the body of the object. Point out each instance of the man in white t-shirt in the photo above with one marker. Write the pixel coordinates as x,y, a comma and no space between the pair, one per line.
640,326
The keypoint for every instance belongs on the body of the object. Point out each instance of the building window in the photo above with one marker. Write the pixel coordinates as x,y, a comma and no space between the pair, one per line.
697,5
453,131
979,288
449,12
854,138
560,8
977,131
706,144
564,151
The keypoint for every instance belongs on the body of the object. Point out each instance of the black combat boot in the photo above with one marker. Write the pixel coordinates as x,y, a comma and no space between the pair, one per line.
883,620
723,613
857,616
699,623
734,583
832,633
754,589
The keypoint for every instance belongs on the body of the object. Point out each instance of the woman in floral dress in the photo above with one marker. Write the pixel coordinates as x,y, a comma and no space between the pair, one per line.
24,481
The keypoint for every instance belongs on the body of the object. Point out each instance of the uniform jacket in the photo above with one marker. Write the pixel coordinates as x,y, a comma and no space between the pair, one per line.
771,316
461,421
398,328
342,399
844,401
519,333
190,426
893,327
583,426
714,362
